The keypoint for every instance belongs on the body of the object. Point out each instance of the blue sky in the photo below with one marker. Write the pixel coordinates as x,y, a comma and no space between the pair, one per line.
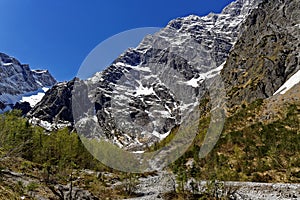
57,35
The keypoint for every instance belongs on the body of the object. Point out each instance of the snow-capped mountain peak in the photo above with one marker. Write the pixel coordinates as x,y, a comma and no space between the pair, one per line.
18,81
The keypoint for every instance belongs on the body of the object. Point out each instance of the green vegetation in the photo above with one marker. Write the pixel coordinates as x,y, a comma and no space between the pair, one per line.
248,150
56,157
58,148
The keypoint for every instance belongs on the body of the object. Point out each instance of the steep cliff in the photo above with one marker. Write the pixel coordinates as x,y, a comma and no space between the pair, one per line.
266,54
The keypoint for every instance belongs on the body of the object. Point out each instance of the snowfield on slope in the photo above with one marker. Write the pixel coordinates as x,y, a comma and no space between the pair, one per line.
291,82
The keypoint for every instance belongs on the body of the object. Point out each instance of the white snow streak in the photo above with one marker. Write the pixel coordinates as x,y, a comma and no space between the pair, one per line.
289,83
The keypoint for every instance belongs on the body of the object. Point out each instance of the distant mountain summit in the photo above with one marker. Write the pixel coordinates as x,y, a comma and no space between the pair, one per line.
18,81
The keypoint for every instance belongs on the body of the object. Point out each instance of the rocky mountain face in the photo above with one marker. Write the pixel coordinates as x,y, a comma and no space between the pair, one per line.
55,109
266,54
149,89
43,77
17,80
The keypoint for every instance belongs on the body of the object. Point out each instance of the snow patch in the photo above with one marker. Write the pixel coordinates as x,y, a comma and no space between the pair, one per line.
141,90
38,82
40,71
194,82
7,64
137,68
138,152
212,73
35,98
13,99
96,78
160,136
289,84
47,125
192,18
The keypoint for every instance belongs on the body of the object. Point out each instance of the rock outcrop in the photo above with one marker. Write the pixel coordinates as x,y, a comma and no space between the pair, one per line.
55,109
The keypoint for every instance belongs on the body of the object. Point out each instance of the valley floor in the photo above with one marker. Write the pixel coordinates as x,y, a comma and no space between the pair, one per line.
155,187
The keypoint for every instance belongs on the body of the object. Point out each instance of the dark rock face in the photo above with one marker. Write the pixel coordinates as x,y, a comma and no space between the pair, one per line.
2,105
16,79
266,54
56,105
23,106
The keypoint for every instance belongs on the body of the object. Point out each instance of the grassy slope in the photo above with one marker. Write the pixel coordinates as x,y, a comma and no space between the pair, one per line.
259,142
